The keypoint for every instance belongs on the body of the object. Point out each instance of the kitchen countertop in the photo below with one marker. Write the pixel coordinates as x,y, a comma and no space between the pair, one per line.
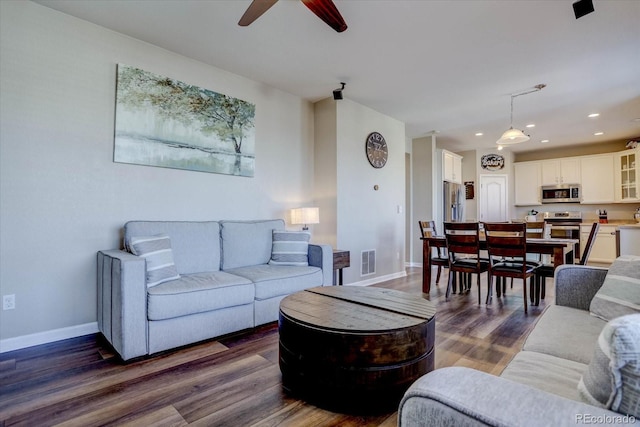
613,222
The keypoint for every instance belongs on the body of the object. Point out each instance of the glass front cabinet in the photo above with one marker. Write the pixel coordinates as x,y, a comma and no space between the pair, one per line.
627,176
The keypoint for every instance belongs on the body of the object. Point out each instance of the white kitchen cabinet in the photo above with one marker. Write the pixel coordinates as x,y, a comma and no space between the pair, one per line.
527,183
627,176
597,179
561,171
604,248
451,167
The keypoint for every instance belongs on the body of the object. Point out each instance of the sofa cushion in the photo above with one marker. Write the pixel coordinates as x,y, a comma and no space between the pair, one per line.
277,280
196,245
553,334
612,379
156,250
247,242
549,373
197,293
290,248
620,292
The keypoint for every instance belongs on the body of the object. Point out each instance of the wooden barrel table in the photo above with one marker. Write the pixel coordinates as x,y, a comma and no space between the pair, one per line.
354,349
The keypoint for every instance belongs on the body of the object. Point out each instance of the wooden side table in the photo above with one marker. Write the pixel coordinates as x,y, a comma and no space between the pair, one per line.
341,259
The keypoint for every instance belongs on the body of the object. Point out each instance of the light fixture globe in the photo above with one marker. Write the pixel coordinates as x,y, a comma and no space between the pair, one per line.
512,136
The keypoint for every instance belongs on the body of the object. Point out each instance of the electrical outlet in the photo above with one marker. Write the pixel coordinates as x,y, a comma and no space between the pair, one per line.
8,302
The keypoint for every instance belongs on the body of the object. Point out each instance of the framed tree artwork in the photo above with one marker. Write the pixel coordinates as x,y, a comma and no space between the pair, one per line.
164,122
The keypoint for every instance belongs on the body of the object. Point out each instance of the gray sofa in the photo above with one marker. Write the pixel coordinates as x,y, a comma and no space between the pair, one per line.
217,277
548,382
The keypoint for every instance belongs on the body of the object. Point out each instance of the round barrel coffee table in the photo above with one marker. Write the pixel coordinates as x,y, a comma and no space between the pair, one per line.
354,349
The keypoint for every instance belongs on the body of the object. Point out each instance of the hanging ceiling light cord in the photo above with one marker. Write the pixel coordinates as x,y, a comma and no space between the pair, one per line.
515,136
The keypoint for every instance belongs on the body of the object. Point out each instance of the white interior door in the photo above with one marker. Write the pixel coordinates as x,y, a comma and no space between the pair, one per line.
493,198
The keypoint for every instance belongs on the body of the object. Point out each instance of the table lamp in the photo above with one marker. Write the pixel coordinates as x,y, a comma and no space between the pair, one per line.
305,216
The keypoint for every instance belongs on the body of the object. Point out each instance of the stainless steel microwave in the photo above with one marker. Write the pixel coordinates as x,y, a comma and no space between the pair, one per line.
566,193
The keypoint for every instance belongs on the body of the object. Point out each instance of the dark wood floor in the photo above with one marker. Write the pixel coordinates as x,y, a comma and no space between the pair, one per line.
233,381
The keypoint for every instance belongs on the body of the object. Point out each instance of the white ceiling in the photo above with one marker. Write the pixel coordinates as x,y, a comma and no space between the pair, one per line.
445,66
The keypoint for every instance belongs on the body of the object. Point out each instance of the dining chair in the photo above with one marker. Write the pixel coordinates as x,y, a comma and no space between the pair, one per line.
507,247
463,247
547,270
535,230
440,259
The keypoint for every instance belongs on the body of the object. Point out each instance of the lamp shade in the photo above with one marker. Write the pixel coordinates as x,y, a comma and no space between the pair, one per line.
305,216
512,136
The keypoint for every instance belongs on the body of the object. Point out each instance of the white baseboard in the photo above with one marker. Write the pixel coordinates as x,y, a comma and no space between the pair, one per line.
46,337
379,279
413,264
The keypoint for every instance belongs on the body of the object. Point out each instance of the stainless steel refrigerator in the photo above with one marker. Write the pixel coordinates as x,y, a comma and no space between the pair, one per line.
453,201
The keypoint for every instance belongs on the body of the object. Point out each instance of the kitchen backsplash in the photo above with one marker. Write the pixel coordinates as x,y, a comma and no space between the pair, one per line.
617,211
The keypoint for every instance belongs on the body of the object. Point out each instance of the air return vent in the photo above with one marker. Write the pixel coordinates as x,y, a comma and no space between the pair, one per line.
368,262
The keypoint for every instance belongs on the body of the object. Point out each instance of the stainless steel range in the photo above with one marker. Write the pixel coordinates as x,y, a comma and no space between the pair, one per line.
565,225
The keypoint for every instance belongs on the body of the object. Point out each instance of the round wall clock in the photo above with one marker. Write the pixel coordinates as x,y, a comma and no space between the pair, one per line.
376,148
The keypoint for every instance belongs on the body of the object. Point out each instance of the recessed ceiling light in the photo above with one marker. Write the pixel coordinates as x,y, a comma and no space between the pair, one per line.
544,140
479,134
599,133
591,116
500,147
531,125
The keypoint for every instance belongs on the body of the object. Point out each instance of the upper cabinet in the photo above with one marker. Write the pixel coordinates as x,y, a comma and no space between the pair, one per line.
451,167
527,183
560,171
627,178
597,178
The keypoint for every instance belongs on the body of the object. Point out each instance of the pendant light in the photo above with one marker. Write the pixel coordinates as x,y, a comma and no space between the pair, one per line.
516,136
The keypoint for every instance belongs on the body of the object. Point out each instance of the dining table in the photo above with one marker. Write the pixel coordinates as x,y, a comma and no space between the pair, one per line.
561,251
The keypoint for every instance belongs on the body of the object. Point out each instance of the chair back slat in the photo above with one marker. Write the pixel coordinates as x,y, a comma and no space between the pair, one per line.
427,228
535,230
506,239
462,238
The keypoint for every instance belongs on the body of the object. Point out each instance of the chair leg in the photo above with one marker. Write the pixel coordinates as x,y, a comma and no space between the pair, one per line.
489,289
498,287
543,285
450,281
524,294
532,289
512,283
438,274
504,285
479,299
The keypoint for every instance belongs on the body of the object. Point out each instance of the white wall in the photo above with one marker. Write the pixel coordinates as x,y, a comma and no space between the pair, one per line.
353,215
62,198
369,219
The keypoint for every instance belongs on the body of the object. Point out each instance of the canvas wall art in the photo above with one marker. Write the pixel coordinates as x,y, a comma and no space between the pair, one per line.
164,122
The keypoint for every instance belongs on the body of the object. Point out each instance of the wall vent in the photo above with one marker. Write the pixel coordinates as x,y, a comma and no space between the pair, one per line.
368,262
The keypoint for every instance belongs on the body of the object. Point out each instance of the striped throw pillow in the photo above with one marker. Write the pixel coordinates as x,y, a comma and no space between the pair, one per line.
612,379
620,292
156,250
290,248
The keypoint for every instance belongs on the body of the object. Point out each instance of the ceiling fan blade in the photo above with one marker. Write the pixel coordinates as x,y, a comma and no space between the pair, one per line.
328,12
255,10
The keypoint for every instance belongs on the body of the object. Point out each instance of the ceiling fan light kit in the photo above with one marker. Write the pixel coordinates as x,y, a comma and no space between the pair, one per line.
515,136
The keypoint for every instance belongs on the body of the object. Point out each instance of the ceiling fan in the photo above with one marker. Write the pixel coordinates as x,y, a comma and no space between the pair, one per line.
324,9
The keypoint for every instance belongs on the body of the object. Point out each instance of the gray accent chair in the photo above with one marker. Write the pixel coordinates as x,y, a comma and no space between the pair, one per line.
225,285
539,387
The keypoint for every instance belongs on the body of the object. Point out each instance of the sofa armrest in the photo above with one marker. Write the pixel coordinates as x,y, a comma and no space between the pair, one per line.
322,256
458,396
122,302
577,284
